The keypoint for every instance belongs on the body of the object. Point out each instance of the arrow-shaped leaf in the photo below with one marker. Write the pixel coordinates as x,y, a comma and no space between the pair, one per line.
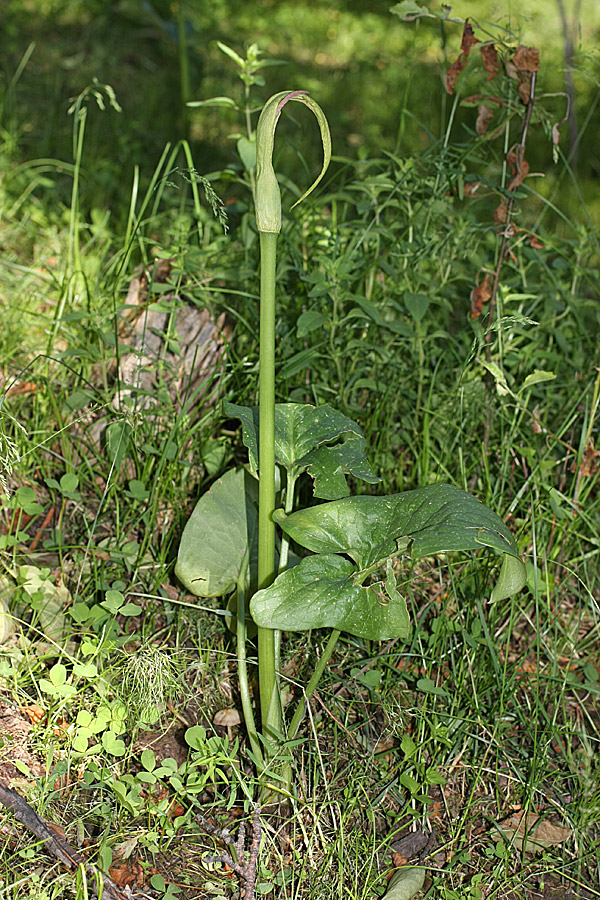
436,519
322,592
319,439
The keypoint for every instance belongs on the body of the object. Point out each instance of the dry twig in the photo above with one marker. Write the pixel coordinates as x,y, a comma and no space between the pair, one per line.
55,845
245,869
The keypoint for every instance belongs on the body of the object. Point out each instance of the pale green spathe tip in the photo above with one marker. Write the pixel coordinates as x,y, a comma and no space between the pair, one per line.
268,195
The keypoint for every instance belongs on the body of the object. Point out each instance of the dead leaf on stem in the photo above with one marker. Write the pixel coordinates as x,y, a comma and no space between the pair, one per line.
468,41
480,294
484,116
589,461
526,61
501,214
491,63
518,166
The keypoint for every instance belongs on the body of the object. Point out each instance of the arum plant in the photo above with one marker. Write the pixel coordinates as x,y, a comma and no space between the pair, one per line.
346,578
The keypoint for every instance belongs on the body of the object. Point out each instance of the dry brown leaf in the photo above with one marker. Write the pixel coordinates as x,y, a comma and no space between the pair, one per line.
526,59
24,389
491,63
518,166
525,87
468,41
484,115
536,423
589,461
470,188
525,62
127,873
480,294
501,213
33,713
527,667
555,135
476,99
527,831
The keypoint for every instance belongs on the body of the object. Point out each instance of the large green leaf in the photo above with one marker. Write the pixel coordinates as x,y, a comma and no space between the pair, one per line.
326,590
323,592
217,535
406,882
319,439
433,519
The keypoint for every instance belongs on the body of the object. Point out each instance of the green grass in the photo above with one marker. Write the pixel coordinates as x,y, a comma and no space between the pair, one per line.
487,711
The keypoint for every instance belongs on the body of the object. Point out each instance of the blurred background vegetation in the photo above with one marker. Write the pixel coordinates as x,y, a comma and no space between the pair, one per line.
379,79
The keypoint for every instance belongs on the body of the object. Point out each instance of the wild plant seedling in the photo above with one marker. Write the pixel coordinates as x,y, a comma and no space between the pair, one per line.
348,583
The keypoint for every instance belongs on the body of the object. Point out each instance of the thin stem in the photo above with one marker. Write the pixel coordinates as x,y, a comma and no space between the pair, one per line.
507,233
269,692
184,69
312,684
243,671
73,273
508,230
284,549
284,552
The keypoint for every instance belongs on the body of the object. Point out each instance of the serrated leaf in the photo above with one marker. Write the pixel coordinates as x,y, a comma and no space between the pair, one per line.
322,592
217,535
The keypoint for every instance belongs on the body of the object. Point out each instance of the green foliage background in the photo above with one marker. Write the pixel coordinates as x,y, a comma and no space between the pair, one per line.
379,79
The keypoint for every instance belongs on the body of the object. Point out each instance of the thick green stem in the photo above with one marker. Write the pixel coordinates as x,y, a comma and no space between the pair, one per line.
312,684
269,690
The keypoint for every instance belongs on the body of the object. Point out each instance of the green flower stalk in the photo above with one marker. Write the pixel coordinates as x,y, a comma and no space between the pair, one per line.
268,220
